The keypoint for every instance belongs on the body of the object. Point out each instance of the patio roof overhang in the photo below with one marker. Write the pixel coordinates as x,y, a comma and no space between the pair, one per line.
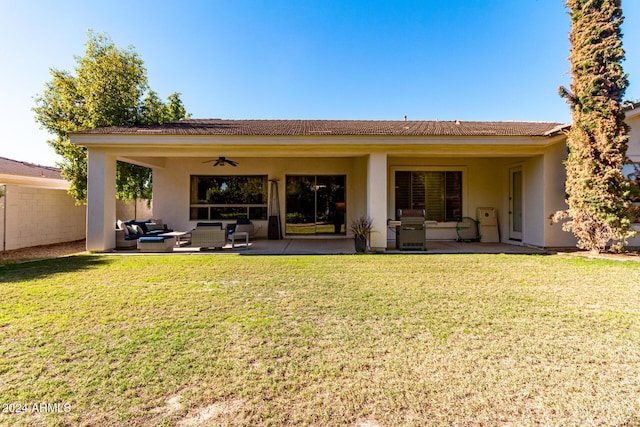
152,149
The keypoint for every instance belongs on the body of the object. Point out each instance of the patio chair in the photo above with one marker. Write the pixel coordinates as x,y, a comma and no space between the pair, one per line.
209,235
244,225
242,231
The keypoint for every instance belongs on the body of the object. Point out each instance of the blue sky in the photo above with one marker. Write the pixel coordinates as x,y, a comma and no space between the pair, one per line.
241,59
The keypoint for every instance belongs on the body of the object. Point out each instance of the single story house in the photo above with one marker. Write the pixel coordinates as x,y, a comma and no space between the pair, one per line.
331,171
35,208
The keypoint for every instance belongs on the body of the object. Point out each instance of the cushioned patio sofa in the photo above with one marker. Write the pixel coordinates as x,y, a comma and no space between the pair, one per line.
209,235
128,232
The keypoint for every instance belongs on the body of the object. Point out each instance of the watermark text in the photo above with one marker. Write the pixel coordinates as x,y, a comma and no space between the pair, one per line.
37,407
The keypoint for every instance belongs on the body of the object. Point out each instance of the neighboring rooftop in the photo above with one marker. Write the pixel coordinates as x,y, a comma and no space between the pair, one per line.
336,127
15,167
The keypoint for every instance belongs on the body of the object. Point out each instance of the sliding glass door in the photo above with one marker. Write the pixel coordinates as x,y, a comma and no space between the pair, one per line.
315,204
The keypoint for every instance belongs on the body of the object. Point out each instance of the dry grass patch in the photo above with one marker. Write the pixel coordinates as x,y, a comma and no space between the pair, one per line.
211,413
42,252
322,340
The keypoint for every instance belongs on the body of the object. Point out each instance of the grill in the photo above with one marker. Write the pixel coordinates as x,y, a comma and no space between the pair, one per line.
410,234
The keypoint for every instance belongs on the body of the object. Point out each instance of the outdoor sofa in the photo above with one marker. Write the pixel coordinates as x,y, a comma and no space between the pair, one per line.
128,232
209,235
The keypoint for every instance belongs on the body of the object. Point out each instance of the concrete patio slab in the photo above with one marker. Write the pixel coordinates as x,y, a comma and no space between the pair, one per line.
345,245
453,247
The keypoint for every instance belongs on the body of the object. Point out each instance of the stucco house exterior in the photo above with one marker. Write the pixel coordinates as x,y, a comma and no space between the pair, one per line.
35,208
331,171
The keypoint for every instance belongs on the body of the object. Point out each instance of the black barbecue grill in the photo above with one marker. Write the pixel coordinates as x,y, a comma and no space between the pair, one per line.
410,234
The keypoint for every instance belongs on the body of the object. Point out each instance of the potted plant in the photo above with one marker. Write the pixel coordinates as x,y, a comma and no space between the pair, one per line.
361,228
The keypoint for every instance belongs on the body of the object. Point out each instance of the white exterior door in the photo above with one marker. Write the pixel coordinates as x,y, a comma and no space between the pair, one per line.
515,204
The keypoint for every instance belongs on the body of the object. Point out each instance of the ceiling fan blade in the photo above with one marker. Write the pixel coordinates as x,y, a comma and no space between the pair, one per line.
221,161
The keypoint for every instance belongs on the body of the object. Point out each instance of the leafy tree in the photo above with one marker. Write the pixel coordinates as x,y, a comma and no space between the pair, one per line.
597,194
134,182
175,108
154,111
109,88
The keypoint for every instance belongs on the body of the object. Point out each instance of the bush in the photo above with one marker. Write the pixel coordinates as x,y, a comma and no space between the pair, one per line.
295,218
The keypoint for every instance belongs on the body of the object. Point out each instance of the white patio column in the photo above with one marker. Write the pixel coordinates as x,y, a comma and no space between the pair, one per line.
377,200
101,200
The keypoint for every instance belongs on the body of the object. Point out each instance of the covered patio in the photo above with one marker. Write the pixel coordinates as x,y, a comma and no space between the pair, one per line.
345,245
332,172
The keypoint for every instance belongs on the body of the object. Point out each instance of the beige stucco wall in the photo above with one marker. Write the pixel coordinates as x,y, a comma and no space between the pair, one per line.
533,209
485,184
40,216
171,185
357,191
633,150
554,188
554,197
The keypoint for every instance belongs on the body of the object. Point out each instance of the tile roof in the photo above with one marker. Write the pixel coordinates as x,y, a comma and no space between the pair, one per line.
15,167
335,127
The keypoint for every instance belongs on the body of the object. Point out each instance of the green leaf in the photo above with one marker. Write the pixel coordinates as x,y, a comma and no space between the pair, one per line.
107,88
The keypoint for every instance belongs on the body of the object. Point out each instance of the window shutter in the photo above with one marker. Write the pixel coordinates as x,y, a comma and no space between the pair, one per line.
439,193
403,190
434,194
417,190
453,191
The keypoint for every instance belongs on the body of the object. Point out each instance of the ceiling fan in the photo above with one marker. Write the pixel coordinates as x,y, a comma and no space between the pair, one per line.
221,161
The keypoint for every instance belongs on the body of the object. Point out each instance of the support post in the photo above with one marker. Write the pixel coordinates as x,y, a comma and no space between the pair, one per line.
101,200
377,200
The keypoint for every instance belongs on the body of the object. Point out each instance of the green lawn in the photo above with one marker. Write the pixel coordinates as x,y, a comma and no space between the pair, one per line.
373,340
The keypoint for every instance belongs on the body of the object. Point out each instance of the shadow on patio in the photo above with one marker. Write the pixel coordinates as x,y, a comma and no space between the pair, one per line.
345,245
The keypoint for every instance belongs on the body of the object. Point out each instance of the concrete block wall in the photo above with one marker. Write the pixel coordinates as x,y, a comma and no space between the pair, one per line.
40,216
133,210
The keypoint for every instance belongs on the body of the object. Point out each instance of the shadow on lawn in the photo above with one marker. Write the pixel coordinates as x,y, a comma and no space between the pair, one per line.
39,269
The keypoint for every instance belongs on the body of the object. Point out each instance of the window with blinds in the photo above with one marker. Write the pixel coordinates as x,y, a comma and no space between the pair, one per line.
439,193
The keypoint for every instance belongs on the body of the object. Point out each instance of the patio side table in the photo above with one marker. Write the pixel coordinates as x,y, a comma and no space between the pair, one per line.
179,235
240,234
